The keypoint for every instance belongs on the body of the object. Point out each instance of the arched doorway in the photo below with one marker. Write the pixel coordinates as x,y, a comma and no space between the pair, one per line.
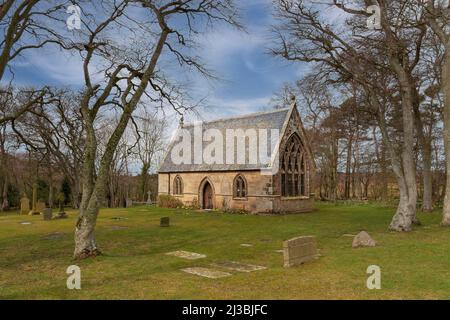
206,195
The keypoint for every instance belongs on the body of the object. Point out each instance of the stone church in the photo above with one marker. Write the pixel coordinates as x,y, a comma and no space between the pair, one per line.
250,186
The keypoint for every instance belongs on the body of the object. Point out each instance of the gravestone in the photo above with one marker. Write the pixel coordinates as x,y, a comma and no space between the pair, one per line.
149,199
164,222
237,266
299,250
117,227
47,214
24,205
40,207
129,203
186,255
363,239
54,236
206,272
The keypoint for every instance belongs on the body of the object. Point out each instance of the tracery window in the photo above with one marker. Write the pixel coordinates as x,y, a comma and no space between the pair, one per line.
293,169
239,187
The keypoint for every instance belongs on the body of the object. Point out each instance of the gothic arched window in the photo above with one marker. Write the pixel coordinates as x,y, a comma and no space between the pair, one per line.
293,169
178,185
239,187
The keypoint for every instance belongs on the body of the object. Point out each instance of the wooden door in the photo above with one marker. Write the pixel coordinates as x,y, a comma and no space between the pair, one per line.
207,197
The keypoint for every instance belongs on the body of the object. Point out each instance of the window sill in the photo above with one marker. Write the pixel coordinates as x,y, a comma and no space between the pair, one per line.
240,199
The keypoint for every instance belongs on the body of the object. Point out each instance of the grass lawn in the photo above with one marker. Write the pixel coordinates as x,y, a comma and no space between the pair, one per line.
33,261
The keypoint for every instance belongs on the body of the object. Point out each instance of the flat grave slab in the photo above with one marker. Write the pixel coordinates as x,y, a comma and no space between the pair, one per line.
117,228
54,236
186,255
206,272
119,218
237,266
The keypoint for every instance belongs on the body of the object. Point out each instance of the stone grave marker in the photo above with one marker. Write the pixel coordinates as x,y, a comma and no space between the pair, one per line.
54,236
164,222
47,214
129,203
299,250
115,228
40,206
237,266
24,205
186,255
206,272
149,198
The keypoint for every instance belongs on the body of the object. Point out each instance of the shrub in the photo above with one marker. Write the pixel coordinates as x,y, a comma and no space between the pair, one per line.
168,201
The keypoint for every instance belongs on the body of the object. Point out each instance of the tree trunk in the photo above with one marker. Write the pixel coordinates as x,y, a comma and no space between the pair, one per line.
427,205
5,203
144,178
425,144
94,190
85,245
446,92
50,193
404,171
347,168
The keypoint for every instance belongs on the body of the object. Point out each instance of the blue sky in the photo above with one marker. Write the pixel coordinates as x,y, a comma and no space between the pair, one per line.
250,74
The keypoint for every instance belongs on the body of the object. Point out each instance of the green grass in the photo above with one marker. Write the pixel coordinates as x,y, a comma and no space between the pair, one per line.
414,265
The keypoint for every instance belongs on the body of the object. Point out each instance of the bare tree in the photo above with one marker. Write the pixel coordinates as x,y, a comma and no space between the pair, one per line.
381,64
28,25
438,18
131,75
149,137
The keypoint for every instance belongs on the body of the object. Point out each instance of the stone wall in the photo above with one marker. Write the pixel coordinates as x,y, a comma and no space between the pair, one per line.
261,197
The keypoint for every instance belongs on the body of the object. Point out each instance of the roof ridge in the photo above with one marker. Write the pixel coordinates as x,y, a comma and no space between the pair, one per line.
248,115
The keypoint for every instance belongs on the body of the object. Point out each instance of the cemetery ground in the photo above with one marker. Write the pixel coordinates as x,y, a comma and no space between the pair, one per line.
34,257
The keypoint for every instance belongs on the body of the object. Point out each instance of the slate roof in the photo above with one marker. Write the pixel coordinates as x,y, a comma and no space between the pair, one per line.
262,120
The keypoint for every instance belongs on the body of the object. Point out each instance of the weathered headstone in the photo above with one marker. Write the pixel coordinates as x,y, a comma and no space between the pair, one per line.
299,250
24,205
129,203
47,214
149,198
363,239
164,222
40,207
